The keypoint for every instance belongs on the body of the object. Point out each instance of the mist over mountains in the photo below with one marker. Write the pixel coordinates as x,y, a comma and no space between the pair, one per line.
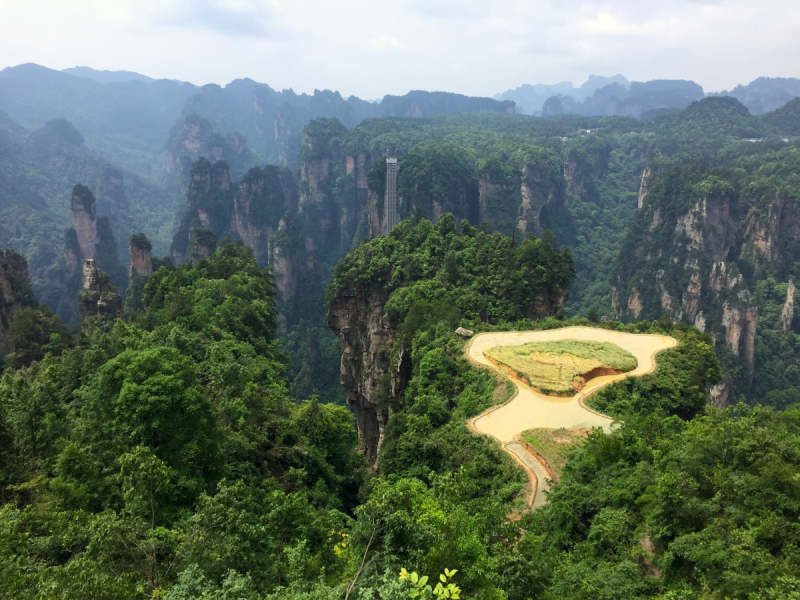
238,326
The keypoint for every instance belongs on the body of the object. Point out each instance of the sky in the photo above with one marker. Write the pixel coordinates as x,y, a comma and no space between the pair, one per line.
376,47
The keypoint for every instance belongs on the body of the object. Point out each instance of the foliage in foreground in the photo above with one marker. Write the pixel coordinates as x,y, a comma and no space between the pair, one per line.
165,458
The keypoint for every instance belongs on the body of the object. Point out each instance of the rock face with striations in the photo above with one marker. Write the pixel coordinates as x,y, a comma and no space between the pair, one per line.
320,152
139,250
375,366
368,374
210,206
99,299
684,253
366,336
263,196
84,222
15,292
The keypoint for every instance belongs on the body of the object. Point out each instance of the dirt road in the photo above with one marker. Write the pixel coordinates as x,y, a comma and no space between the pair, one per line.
529,408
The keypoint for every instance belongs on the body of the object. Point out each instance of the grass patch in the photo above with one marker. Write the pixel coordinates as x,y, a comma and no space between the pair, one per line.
555,445
562,367
503,391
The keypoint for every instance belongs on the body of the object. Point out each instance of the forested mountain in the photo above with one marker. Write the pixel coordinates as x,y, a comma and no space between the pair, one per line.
163,456
579,177
609,96
177,429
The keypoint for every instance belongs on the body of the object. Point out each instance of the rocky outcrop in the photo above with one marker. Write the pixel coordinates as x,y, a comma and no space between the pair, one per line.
141,269
354,201
787,313
532,202
15,292
245,205
321,151
518,203
262,197
207,177
368,373
90,238
644,186
720,394
635,303
210,207
84,221
696,249
139,249
99,300
375,368
204,243
194,137
285,267
375,212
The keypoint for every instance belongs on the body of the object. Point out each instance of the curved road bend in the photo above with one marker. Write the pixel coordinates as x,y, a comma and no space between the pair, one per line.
530,409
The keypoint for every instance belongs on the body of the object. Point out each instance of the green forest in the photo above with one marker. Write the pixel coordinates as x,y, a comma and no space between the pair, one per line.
163,456
214,441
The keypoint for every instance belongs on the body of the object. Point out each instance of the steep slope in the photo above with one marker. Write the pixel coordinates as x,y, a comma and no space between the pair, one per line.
15,293
708,246
390,286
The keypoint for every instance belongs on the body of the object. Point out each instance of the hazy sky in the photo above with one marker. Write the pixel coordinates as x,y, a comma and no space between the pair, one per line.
374,47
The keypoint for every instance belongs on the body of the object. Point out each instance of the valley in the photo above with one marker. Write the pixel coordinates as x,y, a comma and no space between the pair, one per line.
234,330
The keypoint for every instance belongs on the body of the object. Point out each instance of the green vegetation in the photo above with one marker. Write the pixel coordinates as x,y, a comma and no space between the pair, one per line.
167,451
165,457
38,171
561,367
480,275
180,454
555,445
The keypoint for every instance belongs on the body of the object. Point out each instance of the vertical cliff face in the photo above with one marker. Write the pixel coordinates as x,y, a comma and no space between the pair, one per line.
513,196
787,313
99,300
285,252
644,186
354,200
141,269
15,292
373,368
685,253
320,156
139,249
193,137
204,242
263,196
366,336
210,207
84,221
366,316
90,238
533,199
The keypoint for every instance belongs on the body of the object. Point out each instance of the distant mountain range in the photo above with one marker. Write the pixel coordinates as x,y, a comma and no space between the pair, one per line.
610,96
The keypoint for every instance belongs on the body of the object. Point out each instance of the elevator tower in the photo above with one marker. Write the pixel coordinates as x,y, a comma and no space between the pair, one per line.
390,215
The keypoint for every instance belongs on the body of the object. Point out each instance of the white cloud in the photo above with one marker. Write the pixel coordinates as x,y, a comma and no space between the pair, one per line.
229,17
467,46
384,42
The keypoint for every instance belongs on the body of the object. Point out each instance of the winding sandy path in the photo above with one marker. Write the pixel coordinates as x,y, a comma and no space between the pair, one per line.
528,409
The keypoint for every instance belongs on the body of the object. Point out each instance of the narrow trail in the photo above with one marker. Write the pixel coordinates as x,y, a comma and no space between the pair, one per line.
528,408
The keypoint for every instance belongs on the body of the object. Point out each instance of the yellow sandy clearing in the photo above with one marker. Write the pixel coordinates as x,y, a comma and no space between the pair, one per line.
530,409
